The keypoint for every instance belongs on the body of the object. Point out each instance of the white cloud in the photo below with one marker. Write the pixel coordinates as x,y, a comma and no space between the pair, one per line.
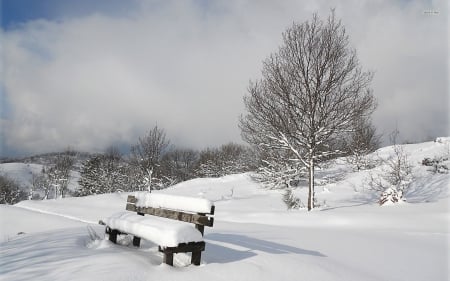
91,81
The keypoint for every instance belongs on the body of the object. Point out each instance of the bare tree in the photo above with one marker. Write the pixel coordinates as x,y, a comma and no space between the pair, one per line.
58,174
397,177
38,182
63,167
148,152
46,185
312,90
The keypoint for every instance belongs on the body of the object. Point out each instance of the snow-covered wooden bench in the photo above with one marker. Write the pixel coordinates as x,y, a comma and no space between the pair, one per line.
169,226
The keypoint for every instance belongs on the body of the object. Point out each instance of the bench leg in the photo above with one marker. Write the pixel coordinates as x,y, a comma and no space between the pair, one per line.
168,259
136,241
113,235
196,257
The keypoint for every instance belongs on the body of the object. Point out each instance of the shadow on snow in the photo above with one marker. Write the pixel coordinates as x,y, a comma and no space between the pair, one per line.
225,248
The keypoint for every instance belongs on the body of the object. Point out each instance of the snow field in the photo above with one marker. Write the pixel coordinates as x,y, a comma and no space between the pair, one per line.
254,237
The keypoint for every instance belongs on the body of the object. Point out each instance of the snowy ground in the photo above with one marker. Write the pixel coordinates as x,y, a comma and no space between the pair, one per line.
254,236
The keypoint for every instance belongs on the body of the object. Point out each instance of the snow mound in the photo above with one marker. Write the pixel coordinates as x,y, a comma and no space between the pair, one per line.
444,140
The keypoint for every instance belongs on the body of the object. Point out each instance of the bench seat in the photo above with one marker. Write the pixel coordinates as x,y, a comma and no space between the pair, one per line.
163,232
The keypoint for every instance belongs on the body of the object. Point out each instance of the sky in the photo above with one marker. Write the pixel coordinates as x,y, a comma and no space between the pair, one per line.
91,74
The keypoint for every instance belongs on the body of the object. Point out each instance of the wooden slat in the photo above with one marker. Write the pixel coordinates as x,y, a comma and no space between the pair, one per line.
184,248
170,214
131,199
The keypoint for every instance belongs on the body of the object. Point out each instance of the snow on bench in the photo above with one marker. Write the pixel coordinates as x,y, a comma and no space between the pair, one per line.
172,236
159,230
173,202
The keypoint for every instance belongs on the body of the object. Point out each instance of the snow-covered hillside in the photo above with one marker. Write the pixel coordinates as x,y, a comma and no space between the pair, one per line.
22,174
254,237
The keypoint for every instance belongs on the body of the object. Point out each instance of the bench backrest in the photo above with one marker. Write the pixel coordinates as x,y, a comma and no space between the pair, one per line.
198,211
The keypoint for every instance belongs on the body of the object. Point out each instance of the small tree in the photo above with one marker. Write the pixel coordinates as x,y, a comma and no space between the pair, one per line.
38,182
398,176
313,89
90,181
395,178
63,168
46,183
291,201
147,155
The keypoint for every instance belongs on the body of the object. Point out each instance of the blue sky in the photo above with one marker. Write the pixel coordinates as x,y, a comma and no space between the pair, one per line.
21,11
93,73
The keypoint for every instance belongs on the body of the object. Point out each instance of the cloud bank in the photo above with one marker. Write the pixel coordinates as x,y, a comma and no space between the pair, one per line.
100,79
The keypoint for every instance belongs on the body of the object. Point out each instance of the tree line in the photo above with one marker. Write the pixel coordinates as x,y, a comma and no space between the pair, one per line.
153,163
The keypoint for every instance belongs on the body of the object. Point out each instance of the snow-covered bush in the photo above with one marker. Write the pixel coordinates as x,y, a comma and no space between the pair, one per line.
10,192
437,164
443,140
391,195
291,201
395,177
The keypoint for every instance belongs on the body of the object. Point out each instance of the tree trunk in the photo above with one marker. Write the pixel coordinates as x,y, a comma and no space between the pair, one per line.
149,182
311,184
30,194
